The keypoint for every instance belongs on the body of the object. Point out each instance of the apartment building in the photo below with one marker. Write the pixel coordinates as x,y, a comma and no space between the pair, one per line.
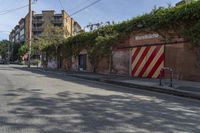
40,22
12,36
21,30
16,35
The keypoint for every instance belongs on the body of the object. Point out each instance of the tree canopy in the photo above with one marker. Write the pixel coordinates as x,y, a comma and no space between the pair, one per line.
183,20
5,47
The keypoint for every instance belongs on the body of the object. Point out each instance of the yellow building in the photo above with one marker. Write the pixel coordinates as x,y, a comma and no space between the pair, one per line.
49,17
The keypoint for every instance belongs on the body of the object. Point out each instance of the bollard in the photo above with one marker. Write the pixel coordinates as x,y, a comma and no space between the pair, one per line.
171,77
162,75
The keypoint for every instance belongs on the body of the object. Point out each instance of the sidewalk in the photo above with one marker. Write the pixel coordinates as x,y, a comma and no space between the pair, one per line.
180,88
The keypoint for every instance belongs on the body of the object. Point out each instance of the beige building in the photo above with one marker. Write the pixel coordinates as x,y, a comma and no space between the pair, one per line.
47,17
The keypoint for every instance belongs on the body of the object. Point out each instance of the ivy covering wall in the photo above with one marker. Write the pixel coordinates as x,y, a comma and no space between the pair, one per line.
184,20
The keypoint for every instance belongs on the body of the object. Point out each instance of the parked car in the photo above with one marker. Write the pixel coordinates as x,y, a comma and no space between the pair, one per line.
2,61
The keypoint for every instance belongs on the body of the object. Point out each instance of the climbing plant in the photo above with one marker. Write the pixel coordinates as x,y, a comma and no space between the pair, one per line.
182,20
22,50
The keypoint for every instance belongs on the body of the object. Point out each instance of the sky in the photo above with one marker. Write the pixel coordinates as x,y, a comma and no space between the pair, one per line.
103,11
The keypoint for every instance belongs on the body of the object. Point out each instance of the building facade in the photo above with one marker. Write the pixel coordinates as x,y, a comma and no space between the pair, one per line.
22,30
12,35
16,35
20,33
144,55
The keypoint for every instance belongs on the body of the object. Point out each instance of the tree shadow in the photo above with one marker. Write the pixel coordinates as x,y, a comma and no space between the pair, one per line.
68,111
77,112
64,76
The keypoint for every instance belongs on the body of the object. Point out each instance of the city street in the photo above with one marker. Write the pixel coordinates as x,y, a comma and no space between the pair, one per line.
33,101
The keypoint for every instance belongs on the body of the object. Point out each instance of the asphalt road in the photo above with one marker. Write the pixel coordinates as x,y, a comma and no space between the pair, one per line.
40,102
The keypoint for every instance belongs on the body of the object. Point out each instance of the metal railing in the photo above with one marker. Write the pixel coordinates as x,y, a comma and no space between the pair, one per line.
37,28
38,20
162,75
57,21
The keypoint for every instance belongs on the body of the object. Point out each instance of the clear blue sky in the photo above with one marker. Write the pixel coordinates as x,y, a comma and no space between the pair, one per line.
105,10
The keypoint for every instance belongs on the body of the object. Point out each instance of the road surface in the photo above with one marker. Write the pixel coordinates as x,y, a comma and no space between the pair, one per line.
41,102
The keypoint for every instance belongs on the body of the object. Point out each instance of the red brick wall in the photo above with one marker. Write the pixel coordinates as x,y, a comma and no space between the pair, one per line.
177,56
121,61
183,60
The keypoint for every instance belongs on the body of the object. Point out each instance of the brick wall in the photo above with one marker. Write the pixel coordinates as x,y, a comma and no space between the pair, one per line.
183,60
177,56
121,61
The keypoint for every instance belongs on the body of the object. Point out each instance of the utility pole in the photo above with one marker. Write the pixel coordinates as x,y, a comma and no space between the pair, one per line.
71,26
30,33
8,53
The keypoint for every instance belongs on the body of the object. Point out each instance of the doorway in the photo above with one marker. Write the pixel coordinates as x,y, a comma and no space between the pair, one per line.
82,62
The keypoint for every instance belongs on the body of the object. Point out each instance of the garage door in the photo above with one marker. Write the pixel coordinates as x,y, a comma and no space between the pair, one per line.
147,61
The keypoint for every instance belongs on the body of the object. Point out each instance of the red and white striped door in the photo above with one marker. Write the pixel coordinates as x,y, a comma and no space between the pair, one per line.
147,61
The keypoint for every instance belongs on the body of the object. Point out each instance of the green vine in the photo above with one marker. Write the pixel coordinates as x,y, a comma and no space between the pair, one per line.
183,20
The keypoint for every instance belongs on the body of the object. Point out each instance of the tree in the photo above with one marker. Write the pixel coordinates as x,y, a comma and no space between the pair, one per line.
5,48
14,52
22,50
102,48
50,40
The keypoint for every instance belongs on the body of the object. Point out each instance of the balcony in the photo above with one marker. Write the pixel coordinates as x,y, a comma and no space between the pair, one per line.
37,29
38,21
37,34
57,21
21,26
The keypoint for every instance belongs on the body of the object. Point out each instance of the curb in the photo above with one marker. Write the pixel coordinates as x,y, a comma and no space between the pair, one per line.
169,91
164,90
157,89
